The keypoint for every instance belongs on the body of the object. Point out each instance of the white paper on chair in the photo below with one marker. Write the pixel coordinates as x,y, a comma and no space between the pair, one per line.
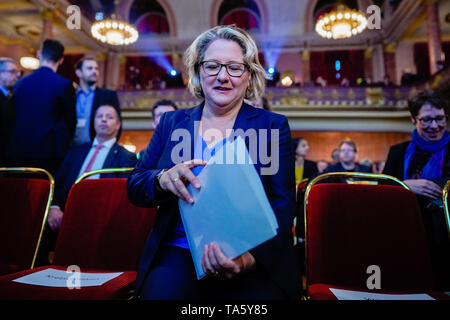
59,278
359,295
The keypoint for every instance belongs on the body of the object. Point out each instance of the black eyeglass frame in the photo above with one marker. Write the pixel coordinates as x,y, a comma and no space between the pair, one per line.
226,65
430,120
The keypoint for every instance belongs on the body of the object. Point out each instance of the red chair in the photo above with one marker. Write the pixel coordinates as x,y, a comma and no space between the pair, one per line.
25,205
350,227
101,232
297,229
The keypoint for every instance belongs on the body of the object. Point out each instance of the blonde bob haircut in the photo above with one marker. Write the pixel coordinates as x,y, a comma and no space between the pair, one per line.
195,54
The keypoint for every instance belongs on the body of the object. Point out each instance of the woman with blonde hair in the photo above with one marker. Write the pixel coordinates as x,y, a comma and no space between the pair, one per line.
223,69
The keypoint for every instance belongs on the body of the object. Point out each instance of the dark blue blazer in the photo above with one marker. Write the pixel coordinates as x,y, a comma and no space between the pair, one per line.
103,96
277,255
118,157
45,116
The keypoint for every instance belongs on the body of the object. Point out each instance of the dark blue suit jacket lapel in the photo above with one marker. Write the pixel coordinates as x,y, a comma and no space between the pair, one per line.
111,156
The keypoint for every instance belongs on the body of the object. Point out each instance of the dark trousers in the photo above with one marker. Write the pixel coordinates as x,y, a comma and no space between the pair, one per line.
173,277
438,242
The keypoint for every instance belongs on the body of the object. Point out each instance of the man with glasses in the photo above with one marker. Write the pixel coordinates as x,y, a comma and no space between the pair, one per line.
347,155
424,165
9,74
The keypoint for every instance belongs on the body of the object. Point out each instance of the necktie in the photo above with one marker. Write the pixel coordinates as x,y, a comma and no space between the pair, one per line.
91,162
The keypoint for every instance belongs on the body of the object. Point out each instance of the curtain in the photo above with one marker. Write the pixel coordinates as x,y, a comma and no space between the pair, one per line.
323,63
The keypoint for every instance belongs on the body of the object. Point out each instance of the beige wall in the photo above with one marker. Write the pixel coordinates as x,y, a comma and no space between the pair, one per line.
373,145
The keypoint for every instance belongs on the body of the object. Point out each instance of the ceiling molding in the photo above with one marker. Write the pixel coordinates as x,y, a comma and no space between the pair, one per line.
402,18
21,42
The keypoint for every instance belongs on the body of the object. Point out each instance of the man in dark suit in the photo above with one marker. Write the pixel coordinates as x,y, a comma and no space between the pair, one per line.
89,98
45,114
9,74
103,152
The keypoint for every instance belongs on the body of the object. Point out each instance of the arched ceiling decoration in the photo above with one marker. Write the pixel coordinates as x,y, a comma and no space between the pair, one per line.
249,14
243,18
153,22
140,12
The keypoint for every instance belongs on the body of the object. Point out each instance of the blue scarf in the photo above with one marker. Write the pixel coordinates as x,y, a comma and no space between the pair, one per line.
433,168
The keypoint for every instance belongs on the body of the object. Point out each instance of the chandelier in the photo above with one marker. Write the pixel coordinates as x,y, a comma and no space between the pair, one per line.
341,23
114,32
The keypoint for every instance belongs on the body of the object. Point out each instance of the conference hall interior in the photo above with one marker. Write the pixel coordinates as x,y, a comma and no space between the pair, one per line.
346,74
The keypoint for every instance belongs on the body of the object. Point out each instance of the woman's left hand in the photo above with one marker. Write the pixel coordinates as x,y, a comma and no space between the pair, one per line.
216,264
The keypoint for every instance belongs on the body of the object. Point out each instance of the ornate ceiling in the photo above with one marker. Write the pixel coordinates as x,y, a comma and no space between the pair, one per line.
286,25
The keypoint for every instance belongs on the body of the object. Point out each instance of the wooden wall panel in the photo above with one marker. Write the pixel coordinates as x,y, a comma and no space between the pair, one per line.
372,145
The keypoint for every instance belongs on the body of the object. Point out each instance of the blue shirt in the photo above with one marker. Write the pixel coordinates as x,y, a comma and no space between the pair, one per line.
201,151
84,109
4,90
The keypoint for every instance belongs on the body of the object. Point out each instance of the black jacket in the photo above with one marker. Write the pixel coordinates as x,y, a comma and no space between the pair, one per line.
309,169
45,116
395,163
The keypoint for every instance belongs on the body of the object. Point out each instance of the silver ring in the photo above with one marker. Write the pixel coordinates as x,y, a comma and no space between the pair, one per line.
175,179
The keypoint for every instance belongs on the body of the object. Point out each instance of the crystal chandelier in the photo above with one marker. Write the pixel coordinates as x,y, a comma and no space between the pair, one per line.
114,32
341,23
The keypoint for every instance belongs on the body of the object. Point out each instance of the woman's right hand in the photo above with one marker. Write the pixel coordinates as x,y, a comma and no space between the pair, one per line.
176,178
424,187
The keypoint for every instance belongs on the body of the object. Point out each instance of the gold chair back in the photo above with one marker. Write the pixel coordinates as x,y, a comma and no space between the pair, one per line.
26,170
350,175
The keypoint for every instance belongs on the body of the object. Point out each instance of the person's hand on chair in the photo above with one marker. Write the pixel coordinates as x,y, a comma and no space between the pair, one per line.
424,187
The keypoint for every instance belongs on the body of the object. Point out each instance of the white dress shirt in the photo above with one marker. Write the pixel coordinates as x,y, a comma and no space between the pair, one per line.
100,159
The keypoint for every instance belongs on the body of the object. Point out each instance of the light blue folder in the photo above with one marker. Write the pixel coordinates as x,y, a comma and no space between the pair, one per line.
231,208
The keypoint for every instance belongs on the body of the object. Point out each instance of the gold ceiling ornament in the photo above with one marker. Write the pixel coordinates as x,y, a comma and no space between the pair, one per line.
114,32
341,23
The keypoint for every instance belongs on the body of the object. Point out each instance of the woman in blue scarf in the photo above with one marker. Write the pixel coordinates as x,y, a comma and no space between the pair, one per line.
424,165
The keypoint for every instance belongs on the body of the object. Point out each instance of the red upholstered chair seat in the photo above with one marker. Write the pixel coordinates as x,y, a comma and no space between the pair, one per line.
321,291
23,207
101,231
117,288
352,226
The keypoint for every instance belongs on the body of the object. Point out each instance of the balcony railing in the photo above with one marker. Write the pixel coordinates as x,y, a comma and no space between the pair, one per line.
293,98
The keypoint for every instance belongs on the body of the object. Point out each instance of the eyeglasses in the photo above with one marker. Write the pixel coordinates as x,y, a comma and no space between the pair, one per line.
426,121
212,68
347,150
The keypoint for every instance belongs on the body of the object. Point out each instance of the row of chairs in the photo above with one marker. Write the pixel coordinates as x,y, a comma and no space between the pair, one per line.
101,232
348,228
365,237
